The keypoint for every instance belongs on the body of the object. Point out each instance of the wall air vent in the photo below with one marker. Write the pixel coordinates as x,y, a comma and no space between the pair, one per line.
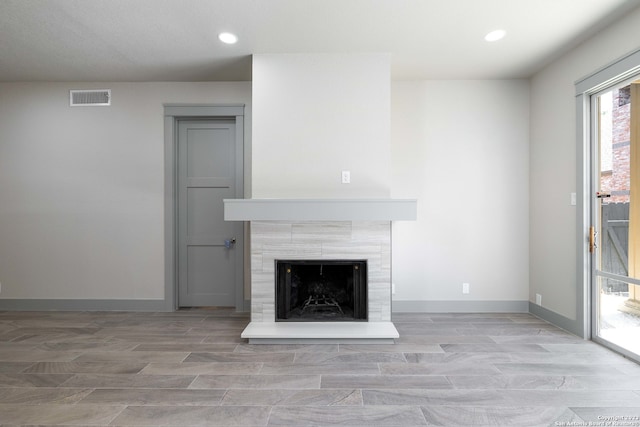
88,98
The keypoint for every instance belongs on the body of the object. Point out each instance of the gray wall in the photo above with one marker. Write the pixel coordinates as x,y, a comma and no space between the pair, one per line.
553,261
82,189
462,149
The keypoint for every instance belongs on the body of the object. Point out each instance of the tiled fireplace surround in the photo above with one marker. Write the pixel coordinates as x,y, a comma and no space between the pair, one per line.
317,240
317,230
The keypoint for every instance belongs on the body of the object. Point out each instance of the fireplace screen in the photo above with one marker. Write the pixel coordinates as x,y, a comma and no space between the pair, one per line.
321,290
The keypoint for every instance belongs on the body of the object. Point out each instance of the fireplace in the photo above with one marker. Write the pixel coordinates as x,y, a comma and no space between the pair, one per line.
312,234
321,290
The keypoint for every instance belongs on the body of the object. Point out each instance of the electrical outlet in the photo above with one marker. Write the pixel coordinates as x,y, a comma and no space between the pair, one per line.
465,288
393,289
538,299
346,177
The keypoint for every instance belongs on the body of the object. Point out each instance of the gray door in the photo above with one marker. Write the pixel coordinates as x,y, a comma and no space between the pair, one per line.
207,255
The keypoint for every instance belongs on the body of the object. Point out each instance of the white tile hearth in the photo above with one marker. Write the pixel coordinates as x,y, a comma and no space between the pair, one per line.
320,332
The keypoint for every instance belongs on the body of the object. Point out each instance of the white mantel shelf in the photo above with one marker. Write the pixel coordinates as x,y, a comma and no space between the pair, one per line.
320,209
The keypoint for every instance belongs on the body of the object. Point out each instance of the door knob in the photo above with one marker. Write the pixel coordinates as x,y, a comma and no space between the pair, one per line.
228,243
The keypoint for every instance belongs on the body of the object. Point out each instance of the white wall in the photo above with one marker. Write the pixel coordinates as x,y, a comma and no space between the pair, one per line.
461,148
81,189
316,115
553,162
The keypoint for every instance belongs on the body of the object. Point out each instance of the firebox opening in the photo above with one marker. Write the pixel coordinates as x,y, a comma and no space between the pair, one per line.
321,290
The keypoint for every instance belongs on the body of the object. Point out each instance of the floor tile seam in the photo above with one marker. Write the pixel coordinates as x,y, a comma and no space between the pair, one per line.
185,357
141,369
143,388
498,408
503,390
424,417
268,421
370,375
22,371
71,403
577,364
223,397
540,371
515,389
48,406
523,393
117,415
575,414
309,377
88,394
449,382
434,374
415,408
191,382
62,385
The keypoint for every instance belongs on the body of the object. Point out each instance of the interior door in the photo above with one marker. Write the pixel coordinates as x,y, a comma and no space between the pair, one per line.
615,235
207,254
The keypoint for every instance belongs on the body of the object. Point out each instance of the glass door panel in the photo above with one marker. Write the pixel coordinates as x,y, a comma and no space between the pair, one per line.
616,269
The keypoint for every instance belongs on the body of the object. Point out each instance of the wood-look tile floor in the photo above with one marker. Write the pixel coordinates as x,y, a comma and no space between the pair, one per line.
190,368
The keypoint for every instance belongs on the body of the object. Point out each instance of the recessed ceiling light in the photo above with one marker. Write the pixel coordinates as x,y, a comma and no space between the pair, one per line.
228,38
495,35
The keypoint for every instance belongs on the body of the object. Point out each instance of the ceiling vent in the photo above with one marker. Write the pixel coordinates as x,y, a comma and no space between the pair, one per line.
86,98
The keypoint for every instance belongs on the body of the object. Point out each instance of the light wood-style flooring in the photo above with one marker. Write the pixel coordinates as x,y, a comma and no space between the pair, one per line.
190,368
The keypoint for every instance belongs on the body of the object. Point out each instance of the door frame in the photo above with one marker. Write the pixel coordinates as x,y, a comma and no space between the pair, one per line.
172,114
617,71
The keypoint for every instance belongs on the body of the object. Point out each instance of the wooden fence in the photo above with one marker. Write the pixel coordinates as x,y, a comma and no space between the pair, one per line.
614,245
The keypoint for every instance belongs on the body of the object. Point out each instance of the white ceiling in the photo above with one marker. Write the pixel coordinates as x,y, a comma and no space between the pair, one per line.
176,40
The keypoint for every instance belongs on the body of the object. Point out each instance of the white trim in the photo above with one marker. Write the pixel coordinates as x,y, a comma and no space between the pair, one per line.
517,306
10,304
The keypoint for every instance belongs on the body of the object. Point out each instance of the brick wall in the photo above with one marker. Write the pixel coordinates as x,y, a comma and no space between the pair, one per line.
617,181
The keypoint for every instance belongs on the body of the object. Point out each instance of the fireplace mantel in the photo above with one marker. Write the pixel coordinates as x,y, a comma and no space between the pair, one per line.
320,209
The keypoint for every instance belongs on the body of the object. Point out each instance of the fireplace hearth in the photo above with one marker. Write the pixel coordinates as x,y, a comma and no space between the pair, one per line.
321,290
